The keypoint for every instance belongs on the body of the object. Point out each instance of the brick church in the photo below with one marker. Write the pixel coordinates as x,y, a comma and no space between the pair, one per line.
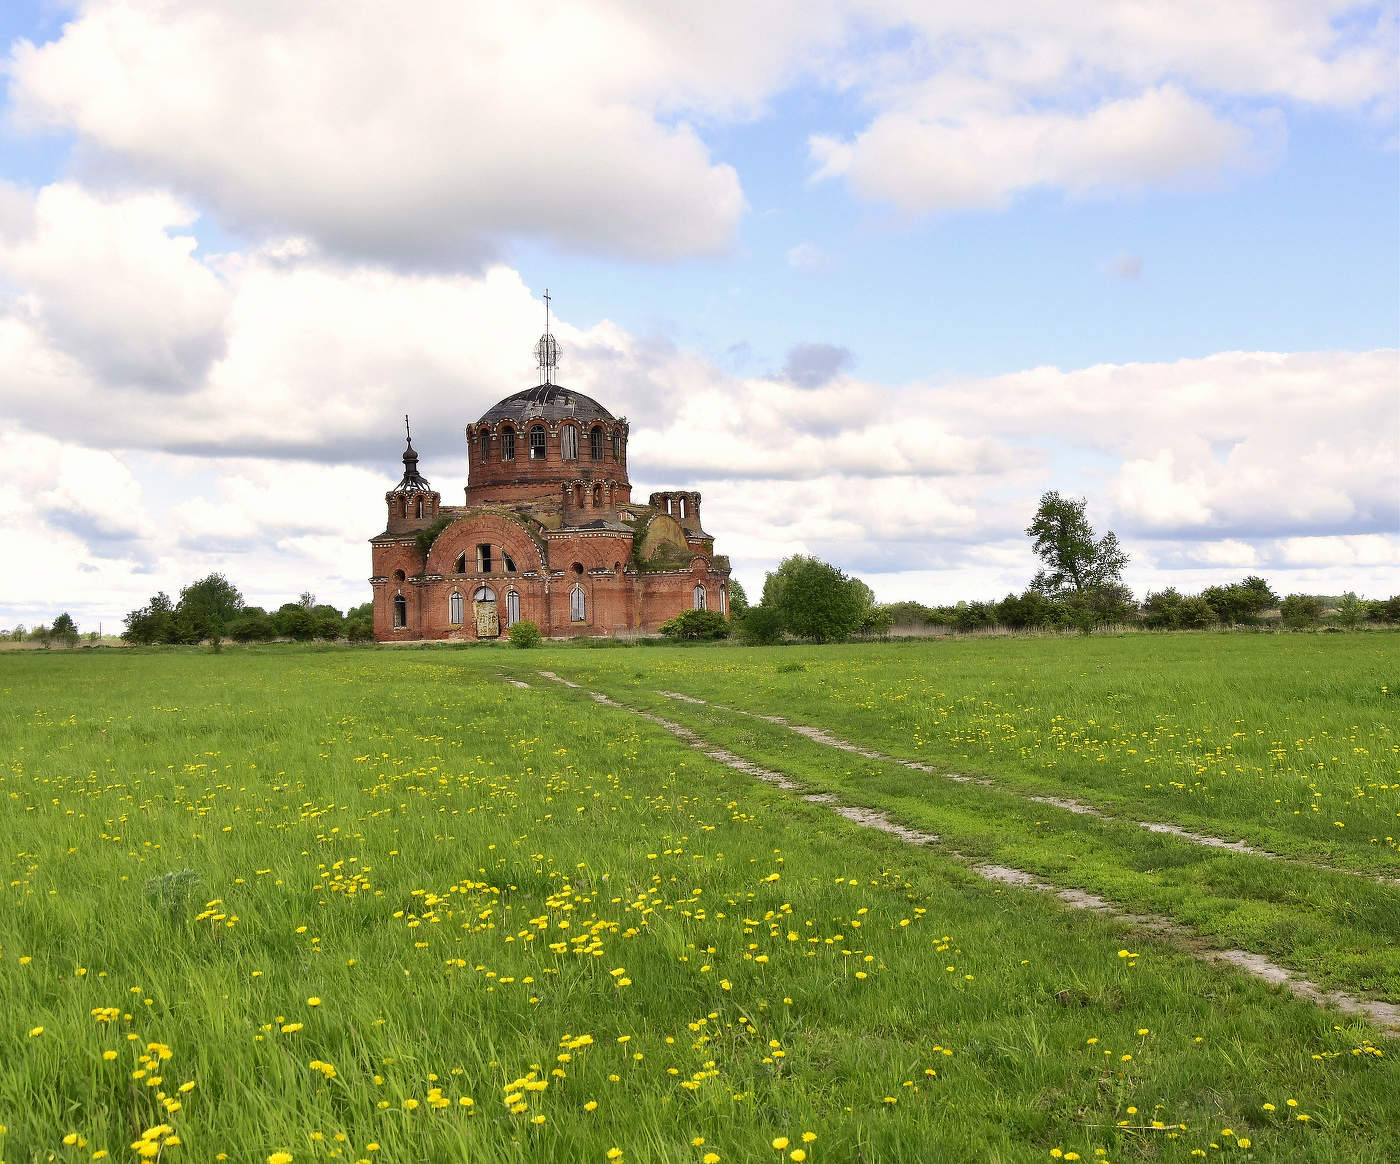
548,532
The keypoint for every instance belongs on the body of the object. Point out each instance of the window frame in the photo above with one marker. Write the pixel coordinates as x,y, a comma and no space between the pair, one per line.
455,608
568,442
699,597
508,443
595,443
512,607
578,604
543,446
400,611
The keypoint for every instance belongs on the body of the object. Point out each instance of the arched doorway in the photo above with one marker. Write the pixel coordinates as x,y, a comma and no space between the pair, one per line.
488,622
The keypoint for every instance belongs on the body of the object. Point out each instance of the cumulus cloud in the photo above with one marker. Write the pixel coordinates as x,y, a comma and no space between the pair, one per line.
438,140
810,365
110,286
428,139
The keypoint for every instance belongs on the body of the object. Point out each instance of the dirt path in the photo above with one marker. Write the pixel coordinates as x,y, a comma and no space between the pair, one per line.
822,736
1385,1015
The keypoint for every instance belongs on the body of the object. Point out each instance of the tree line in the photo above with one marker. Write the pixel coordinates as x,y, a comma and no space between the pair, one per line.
212,609
1078,587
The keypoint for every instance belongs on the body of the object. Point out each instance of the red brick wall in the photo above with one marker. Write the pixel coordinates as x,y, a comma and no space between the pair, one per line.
524,479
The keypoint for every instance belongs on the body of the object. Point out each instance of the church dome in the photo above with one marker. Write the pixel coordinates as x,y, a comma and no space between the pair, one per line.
548,402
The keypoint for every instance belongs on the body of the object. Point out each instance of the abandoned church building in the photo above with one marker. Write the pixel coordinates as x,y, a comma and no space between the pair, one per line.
548,532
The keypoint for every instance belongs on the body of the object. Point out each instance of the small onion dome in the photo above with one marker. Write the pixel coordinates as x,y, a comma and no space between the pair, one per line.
413,481
547,402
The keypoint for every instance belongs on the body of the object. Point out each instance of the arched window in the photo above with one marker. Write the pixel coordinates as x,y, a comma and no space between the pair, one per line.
419,508
724,602
568,442
597,497
595,442
507,444
399,575
699,597
485,444
454,609
460,565
512,608
484,594
578,605
509,561
400,611
537,439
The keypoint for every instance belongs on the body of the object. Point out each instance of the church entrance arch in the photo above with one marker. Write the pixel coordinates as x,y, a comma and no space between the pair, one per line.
488,622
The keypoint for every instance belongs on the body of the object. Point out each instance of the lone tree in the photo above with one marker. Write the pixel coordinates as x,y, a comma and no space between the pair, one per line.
1075,562
814,599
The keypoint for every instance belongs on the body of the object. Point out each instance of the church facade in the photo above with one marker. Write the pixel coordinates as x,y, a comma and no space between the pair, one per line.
548,533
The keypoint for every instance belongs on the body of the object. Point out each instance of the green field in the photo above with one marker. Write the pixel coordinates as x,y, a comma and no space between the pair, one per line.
385,905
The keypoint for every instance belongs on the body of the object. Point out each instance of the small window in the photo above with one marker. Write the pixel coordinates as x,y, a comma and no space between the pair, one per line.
460,565
617,444
568,443
485,445
578,496
399,575
400,611
512,608
578,605
699,597
507,444
419,508
724,602
454,609
484,594
537,442
597,497
509,561
483,559
595,443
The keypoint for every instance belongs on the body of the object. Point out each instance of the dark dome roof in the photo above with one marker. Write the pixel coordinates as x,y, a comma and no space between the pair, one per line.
547,402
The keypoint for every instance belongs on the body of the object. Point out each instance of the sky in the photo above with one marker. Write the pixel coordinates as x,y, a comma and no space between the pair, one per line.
872,275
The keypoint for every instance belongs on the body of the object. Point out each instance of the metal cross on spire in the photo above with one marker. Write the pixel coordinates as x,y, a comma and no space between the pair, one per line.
407,432
547,349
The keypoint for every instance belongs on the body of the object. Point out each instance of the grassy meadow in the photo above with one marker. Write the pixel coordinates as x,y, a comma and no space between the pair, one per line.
289,904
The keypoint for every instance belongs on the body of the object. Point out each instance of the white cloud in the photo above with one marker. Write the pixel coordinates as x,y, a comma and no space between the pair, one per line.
438,139
431,138
980,158
109,284
806,257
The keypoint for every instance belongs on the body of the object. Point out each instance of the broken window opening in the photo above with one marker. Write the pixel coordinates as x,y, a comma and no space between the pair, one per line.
595,443
400,612
699,597
509,561
460,565
483,559
568,443
507,444
617,444
485,444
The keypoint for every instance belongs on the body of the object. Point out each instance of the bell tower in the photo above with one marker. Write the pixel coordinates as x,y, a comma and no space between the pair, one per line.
413,503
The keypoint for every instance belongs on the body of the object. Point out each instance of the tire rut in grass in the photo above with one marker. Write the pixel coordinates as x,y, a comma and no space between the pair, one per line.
1385,1015
822,736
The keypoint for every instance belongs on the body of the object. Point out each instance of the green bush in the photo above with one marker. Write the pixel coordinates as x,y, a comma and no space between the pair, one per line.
761,626
696,624
525,635
251,627
1301,610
